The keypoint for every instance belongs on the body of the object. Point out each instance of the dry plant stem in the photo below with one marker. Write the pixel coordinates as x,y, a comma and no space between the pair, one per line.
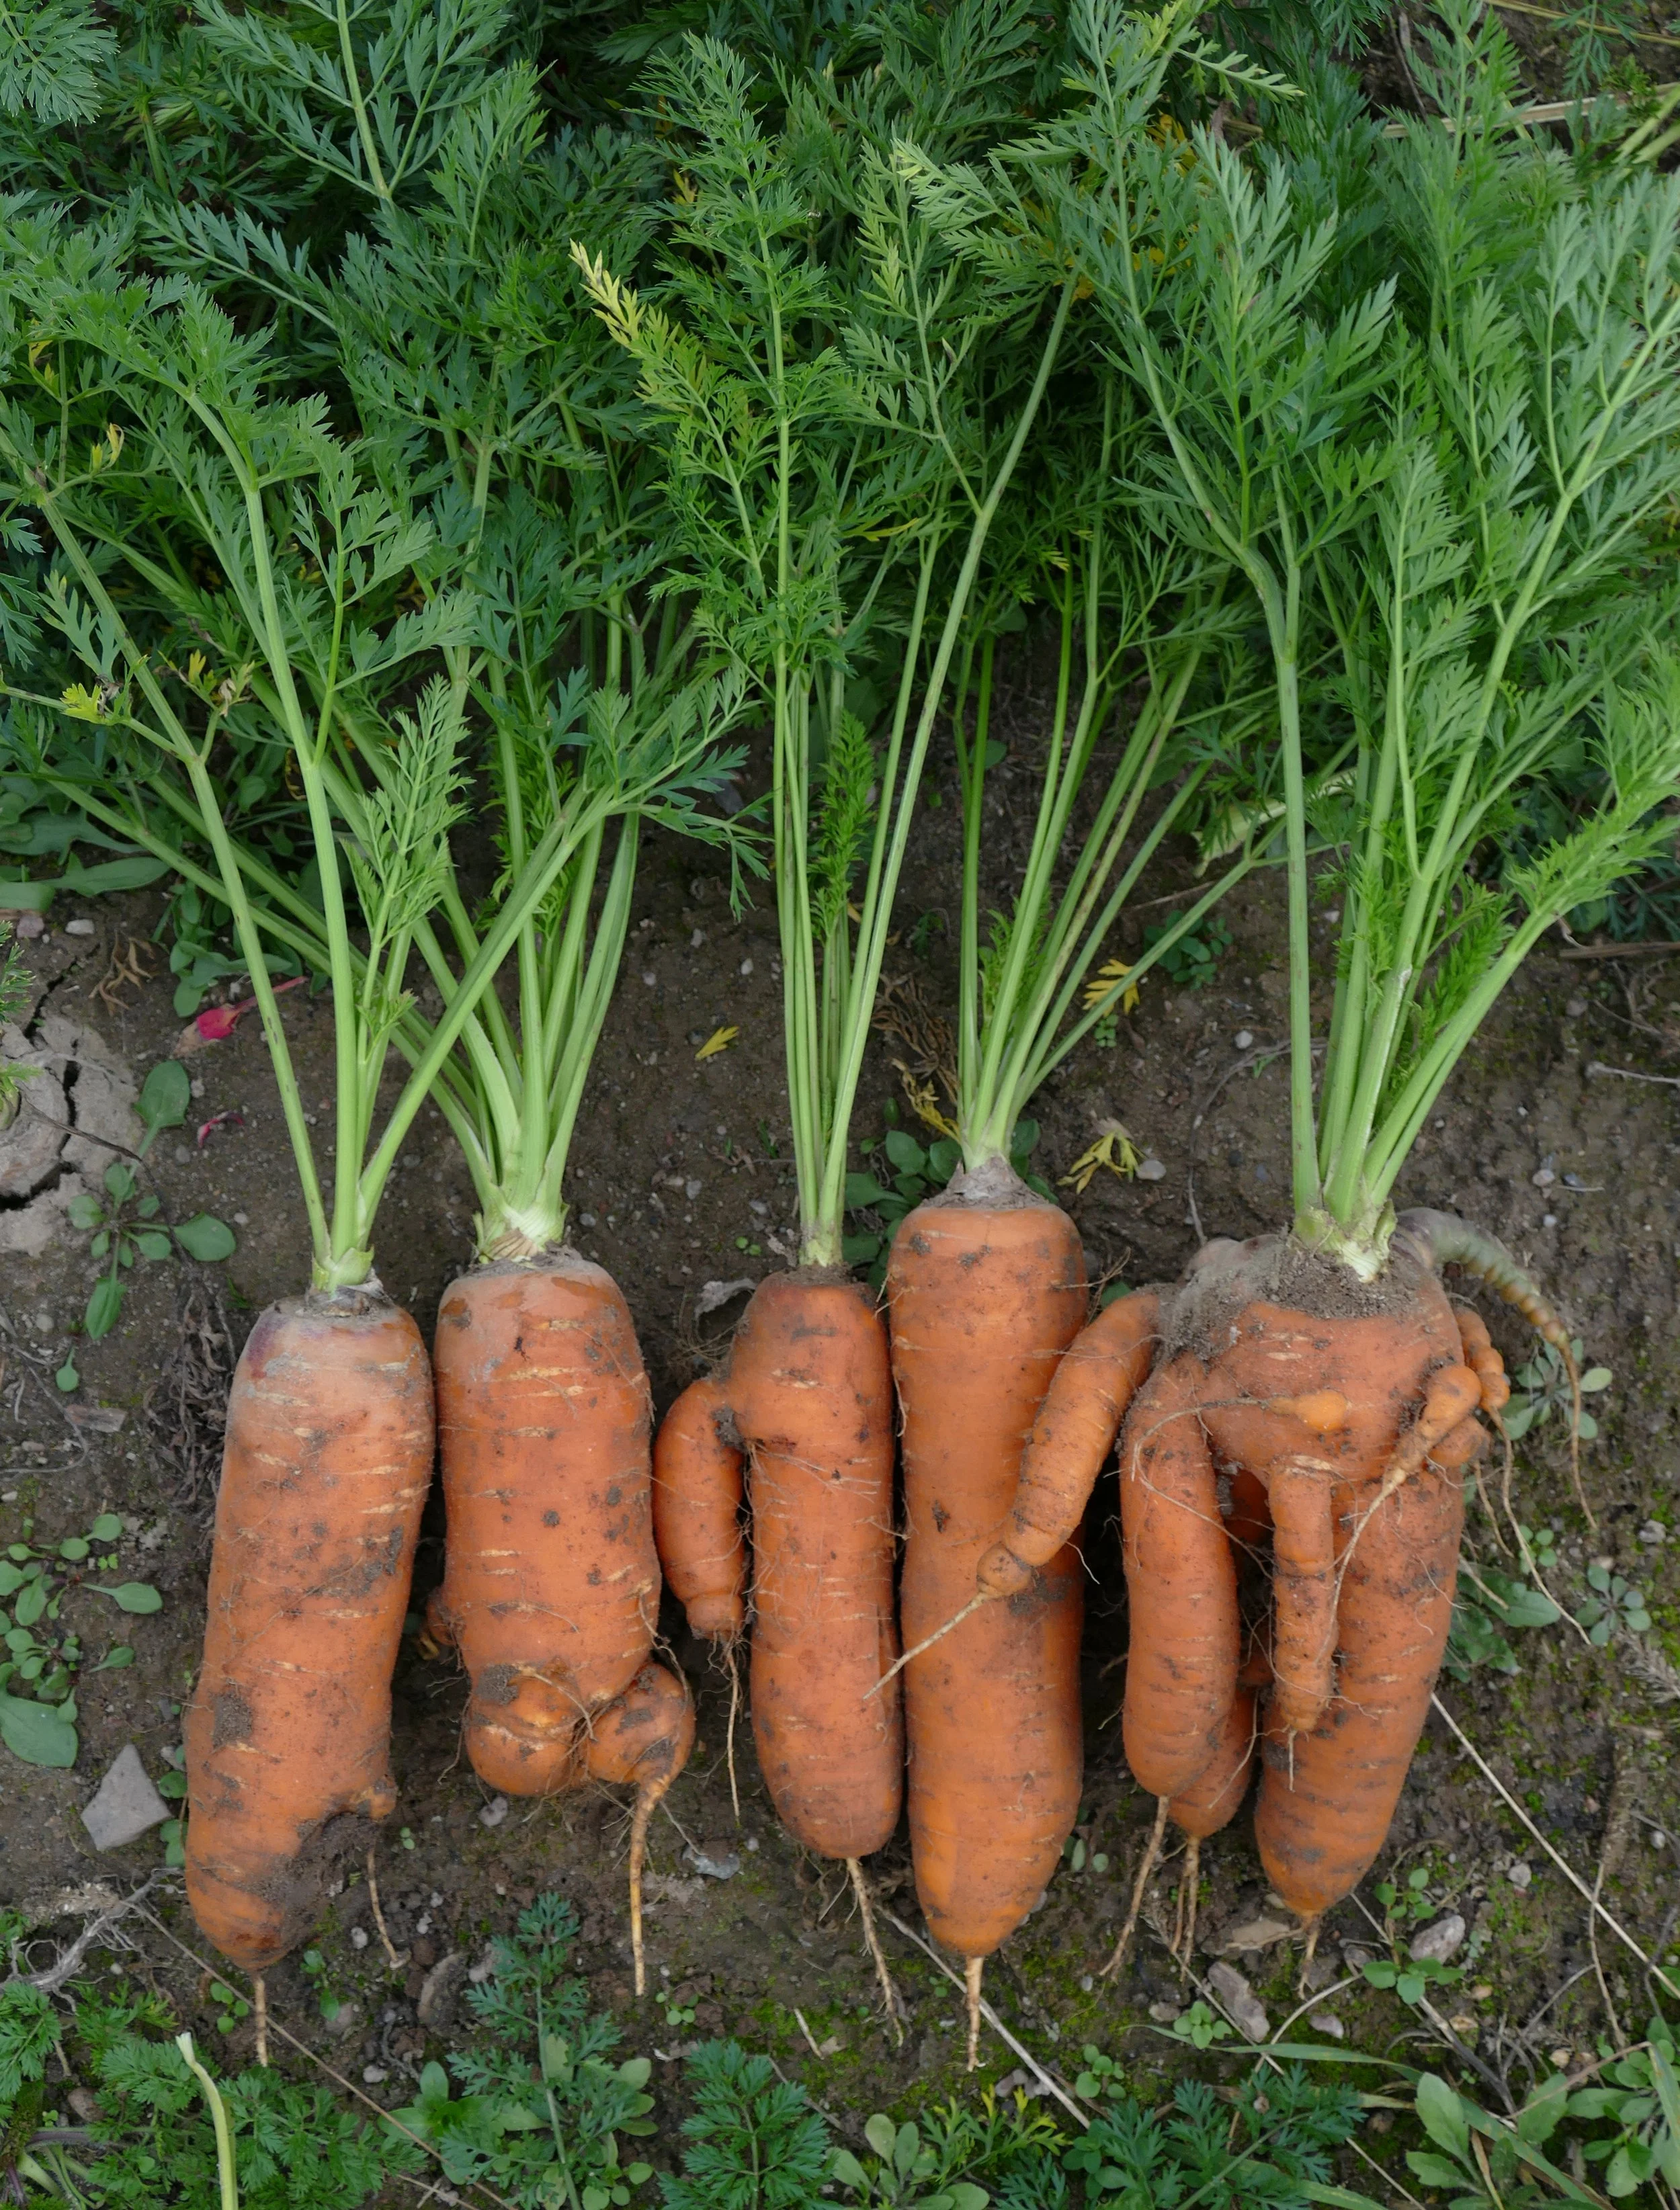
927,1641
889,1993
1664,1980
1597,1961
259,2008
1051,2084
392,1959
1151,1853
810,2037
66,1966
973,1967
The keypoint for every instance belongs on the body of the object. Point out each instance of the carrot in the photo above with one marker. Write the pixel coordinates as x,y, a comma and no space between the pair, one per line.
644,1738
984,1298
697,1500
329,1459
1327,1796
551,1589
1180,1674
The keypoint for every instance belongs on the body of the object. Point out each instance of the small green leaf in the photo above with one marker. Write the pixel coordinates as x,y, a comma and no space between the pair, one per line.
104,1307
174,1846
132,1595
119,1181
1594,1379
153,1243
847,2171
101,1243
106,1528
906,1154
147,1207
67,1377
31,1603
39,1734
164,1098
881,2134
637,2072
85,1211
73,1547
119,1654
1442,2115
206,1237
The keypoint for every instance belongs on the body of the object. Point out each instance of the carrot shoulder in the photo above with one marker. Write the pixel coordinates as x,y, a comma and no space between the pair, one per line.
326,1467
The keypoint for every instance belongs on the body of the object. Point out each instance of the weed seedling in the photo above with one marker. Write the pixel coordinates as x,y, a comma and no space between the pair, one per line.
42,1657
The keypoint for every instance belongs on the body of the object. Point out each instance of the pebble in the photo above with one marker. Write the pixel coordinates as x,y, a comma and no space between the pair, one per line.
1548,1220
649,977
724,1864
1239,2000
28,926
1653,1531
1257,1933
1575,1008
692,1189
1150,1170
125,1805
242,1220
375,2075
1326,2021
1243,1038
493,1811
1520,1875
359,1937
746,966
1163,2013
1441,1939
80,927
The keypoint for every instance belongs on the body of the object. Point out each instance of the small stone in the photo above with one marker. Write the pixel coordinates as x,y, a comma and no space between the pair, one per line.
1256,1933
375,2075
1087,1981
697,938
28,926
1326,2021
440,1991
1560,2057
44,1321
242,1220
345,2020
1543,1179
1465,2025
1240,2001
493,1811
1574,1009
125,1805
746,966
692,1188
1243,1039
649,977
359,1937
1150,1170
1163,2013
181,1154
1440,1939
718,1864
1520,1875
81,926
479,1972
1548,1220
1653,1531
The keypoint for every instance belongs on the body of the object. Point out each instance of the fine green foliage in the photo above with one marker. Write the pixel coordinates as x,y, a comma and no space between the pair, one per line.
753,2143
543,2132
15,990
1272,2147
1437,492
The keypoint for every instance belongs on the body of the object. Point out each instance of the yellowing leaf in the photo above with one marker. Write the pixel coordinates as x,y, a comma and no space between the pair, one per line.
719,1040
924,1102
1104,980
81,704
1114,1148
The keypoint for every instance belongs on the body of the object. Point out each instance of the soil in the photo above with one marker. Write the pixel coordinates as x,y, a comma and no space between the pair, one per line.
682,1180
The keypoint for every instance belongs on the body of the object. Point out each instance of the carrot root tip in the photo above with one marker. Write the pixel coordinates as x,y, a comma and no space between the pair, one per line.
980,1596
259,2011
972,1969
1151,1856
395,1961
1312,1928
871,1934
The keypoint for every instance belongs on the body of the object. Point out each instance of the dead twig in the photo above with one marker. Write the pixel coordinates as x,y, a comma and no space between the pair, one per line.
69,1964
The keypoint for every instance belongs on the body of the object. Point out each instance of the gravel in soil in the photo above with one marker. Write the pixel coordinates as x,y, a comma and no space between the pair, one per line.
682,1178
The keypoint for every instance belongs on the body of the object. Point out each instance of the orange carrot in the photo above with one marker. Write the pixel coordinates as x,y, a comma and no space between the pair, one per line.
327,1466
808,1394
551,1591
984,1299
1185,1633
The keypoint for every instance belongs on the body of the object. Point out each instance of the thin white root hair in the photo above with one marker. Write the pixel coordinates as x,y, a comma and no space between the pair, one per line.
730,1737
259,2011
973,1967
866,1910
974,1603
